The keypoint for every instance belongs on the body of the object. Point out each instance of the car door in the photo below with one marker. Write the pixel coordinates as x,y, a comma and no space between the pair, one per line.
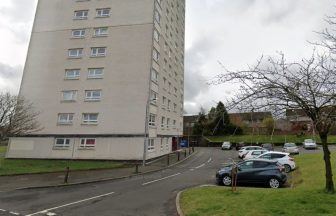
260,171
245,172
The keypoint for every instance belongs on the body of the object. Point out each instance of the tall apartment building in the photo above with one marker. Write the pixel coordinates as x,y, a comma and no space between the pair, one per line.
107,77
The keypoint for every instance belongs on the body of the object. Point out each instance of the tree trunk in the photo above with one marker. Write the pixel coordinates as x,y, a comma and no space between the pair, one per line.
326,154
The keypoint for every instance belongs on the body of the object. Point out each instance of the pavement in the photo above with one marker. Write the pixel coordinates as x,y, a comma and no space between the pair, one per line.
144,195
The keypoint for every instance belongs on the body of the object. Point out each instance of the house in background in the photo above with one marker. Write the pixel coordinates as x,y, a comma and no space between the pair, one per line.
250,121
108,78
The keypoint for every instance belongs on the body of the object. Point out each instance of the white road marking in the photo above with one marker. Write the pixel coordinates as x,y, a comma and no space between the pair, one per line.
202,165
192,169
147,183
210,159
3,210
14,213
51,214
69,204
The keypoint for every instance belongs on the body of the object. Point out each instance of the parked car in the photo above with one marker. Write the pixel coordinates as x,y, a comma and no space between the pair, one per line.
253,154
226,145
282,158
245,149
268,146
290,148
309,144
239,145
261,171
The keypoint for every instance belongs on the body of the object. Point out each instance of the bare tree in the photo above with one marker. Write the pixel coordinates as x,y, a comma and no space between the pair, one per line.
274,84
17,116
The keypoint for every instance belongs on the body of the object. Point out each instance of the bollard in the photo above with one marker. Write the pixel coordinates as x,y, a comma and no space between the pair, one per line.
178,156
189,151
193,149
136,168
167,159
185,153
66,178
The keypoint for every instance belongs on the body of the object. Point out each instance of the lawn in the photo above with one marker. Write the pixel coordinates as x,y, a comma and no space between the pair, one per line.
22,166
305,198
267,139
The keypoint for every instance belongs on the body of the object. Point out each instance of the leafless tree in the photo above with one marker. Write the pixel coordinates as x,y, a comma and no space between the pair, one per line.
276,85
17,116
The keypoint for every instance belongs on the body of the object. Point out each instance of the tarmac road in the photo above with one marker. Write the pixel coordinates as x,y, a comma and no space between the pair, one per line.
152,194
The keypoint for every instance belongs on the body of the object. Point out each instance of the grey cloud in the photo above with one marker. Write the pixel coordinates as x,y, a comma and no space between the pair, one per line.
9,72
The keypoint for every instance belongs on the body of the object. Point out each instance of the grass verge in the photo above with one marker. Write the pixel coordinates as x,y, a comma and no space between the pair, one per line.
27,166
306,198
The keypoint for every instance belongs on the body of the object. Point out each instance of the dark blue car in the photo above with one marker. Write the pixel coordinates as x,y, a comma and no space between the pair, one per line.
254,171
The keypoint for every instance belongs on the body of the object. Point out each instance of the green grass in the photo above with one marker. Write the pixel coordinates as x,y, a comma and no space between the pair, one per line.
267,139
305,198
22,166
3,149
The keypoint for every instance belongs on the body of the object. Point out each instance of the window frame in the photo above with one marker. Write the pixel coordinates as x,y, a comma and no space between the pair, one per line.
64,145
89,121
85,145
69,118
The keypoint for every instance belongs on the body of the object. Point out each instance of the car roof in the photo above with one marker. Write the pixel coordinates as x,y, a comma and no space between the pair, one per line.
276,152
250,146
263,160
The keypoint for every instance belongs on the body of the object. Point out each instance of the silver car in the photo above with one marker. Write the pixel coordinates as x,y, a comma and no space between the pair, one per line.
290,148
309,144
226,146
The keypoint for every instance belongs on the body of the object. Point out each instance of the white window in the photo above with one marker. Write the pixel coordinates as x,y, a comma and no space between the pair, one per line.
72,74
102,31
63,143
167,143
151,145
69,95
82,14
161,144
153,97
152,118
75,53
163,122
98,51
95,73
168,106
78,33
157,16
103,12
156,55
168,122
65,118
156,35
164,101
87,143
175,106
90,118
93,95
154,75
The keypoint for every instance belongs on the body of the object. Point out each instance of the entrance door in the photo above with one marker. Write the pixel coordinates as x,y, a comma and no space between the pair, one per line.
174,143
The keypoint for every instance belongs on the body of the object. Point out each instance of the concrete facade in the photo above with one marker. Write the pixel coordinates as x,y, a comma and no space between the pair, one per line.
125,90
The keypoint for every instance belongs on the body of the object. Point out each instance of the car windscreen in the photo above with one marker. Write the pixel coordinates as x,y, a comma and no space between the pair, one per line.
290,145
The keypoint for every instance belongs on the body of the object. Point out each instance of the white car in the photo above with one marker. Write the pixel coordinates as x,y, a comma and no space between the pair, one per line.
282,157
226,145
309,144
246,149
290,148
253,154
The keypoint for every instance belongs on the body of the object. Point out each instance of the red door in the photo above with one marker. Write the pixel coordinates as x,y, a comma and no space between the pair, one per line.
174,144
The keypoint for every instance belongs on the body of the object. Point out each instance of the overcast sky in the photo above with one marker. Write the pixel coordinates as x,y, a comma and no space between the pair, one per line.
233,32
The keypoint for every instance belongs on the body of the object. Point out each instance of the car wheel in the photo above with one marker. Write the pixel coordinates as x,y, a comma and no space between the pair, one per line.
287,168
274,183
227,181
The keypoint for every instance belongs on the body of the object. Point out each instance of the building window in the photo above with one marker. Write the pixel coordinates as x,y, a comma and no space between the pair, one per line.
167,143
168,105
95,73
156,55
103,12
151,145
87,143
156,35
168,122
90,118
65,118
152,121
154,76
157,17
62,143
174,124
164,101
102,31
98,51
80,15
93,95
75,53
72,74
69,95
153,97
78,33
174,108
161,144
163,121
